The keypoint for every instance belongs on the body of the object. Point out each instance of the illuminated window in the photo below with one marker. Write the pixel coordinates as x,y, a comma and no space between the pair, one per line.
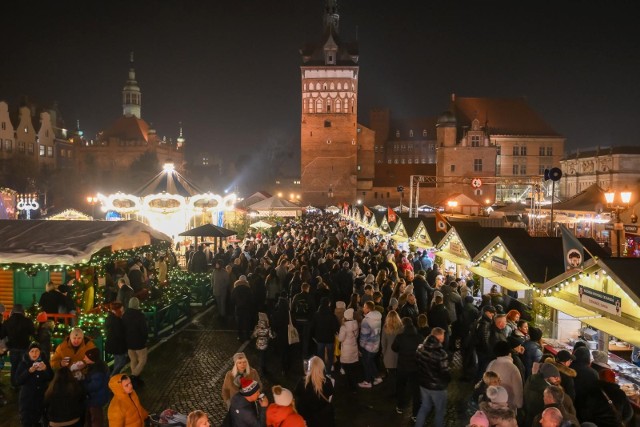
20,146
516,150
397,134
49,151
26,129
523,150
346,105
42,150
328,105
311,105
338,106
424,132
411,133
332,86
8,145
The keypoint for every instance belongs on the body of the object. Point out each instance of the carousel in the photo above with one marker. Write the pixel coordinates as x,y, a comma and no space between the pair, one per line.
169,203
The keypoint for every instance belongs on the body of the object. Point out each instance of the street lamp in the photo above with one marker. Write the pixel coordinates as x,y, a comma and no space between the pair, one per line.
92,200
452,204
618,226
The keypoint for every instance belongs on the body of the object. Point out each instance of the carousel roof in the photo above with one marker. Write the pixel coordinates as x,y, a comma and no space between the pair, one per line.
274,202
69,242
170,182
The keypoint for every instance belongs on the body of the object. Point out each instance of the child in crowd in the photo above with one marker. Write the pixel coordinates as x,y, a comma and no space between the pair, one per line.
262,333
489,379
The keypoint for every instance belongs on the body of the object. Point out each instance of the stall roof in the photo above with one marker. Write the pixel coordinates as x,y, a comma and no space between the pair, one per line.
69,242
590,200
620,331
626,269
410,224
475,239
572,310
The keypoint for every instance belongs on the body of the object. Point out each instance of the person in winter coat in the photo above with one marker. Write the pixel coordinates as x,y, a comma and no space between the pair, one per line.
434,378
240,370
18,330
562,362
534,388
33,376
282,412
64,399
220,284
586,380
136,334
517,352
497,331
497,409
116,342
348,337
198,261
510,376
598,409
439,316
410,309
125,409
70,353
480,335
247,408
262,333
555,397
49,300
532,350
280,325
392,327
125,293
370,344
324,327
314,394
422,290
242,300
405,345
96,385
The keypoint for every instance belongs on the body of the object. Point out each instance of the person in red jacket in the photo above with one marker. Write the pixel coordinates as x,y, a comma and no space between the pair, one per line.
282,413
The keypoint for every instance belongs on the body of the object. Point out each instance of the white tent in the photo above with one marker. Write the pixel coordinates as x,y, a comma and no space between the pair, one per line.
275,206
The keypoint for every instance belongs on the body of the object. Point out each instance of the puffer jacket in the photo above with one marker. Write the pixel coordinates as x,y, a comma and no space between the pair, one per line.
283,416
370,331
125,410
348,336
32,388
406,344
567,375
499,416
65,349
433,365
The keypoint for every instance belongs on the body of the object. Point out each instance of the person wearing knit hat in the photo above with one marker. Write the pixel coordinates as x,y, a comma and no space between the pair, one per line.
282,412
510,375
498,409
243,410
393,304
34,373
600,360
479,419
498,395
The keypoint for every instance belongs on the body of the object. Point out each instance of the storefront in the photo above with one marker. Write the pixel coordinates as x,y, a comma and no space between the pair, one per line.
599,305
412,233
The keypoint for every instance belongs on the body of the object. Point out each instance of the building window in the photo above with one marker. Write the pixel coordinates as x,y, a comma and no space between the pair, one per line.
359,167
475,141
411,133
498,150
453,168
397,134
319,105
327,123
523,169
523,150
69,154
424,133
541,170
549,151
310,105
389,161
49,151
346,106
375,194
328,105
26,129
410,161
42,150
478,191
516,169
477,165
541,151
20,146
516,150
62,152
4,126
388,194
338,106
395,161
402,161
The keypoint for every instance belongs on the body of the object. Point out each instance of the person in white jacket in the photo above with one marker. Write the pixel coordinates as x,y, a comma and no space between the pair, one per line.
510,377
348,337
370,344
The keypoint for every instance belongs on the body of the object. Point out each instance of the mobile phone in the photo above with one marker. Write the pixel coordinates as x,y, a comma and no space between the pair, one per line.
261,396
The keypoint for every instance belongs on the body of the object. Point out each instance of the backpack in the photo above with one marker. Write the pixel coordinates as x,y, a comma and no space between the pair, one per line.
301,310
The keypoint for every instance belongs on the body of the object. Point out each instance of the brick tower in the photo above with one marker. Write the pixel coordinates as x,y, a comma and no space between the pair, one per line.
329,129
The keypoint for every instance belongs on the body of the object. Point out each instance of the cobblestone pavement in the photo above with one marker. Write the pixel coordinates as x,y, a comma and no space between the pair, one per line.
186,372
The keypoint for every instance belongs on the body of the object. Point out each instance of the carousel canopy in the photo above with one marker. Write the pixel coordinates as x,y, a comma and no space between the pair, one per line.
273,203
170,182
69,242
261,224
209,230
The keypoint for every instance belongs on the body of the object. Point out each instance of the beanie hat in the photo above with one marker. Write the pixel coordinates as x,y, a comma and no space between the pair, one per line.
489,308
93,354
370,278
348,314
281,396
502,348
497,394
341,304
238,356
134,303
548,370
600,358
535,334
468,299
514,341
563,356
34,344
18,309
41,317
582,355
248,386
393,303
479,419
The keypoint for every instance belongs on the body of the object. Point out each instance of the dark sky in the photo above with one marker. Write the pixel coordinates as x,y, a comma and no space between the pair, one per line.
230,70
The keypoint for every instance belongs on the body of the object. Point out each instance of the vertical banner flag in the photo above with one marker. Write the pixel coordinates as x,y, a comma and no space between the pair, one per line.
345,208
367,212
572,249
391,215
441,222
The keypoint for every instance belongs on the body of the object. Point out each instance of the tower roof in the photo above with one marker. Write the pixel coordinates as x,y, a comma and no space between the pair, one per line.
127,128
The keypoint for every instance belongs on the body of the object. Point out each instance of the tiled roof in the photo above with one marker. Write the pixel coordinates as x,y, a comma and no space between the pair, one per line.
393,175
590,199
417,125
504,116
603,151
128,128
313,53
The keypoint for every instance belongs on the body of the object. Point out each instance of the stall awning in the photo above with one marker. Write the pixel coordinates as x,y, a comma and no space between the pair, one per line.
484,272
453,258
512,285
618,330
567,307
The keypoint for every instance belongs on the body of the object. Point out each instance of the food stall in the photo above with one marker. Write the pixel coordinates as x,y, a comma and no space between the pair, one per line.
412,234
599,305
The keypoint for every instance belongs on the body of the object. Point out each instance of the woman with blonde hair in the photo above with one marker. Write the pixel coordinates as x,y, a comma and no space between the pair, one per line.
241,369
314,394
381,278
198,419
392,327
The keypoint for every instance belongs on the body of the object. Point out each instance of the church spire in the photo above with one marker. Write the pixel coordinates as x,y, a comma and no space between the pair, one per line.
180,140
331,16
131,95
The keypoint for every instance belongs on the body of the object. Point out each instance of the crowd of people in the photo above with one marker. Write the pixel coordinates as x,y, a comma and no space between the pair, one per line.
353,307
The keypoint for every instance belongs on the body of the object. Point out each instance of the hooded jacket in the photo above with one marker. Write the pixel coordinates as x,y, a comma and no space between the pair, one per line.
324,325
510,378
283,416
125,409
406,344
567,375
370,331
433,365
348,336
586,380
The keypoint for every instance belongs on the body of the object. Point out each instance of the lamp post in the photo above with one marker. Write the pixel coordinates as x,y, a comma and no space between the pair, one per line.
618,226
92,200
452,204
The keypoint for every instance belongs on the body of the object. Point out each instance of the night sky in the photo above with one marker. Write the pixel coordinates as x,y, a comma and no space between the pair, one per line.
230,70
